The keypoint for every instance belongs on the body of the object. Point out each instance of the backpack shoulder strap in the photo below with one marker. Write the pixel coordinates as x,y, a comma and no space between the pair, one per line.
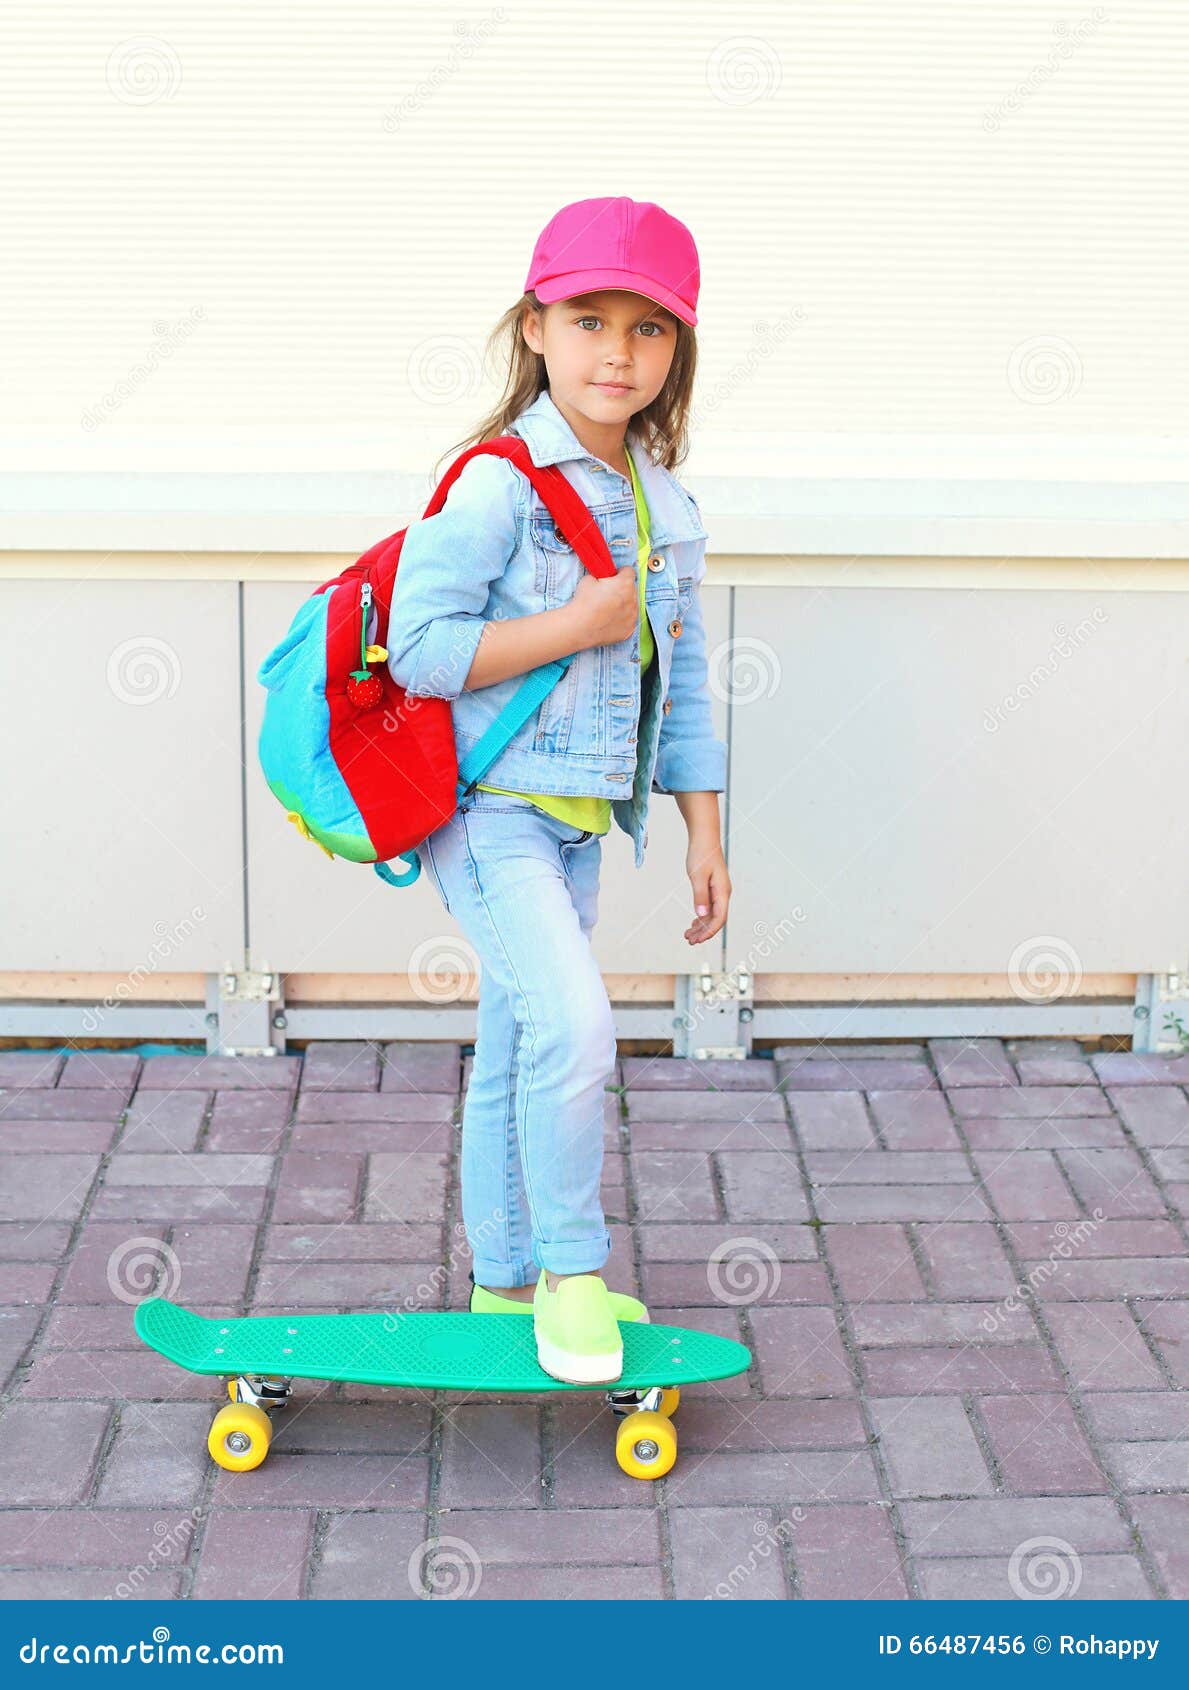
566,506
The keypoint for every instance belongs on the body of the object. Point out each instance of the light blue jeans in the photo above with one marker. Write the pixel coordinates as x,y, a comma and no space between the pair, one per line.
523,887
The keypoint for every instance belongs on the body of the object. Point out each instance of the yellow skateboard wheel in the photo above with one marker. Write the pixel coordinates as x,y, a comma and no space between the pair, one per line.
239,1437
670,1397
646,1444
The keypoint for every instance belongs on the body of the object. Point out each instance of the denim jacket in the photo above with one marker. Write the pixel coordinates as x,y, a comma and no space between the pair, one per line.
492,552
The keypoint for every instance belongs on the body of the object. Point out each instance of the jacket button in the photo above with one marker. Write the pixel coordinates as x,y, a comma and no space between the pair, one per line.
656,563
667,706
675,626
617,777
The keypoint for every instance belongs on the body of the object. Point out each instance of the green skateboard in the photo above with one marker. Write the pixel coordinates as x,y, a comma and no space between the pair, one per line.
258,1355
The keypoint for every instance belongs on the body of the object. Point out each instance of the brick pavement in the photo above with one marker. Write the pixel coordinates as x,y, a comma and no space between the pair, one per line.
960,1266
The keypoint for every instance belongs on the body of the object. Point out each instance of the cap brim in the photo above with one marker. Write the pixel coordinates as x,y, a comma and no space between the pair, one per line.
593,281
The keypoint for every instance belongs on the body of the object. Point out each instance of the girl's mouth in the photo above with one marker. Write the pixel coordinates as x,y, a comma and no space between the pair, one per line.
613,386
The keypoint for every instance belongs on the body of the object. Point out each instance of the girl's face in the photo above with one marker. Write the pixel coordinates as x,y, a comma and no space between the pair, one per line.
608,354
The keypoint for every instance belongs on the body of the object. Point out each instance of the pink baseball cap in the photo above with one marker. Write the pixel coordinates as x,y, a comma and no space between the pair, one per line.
617,243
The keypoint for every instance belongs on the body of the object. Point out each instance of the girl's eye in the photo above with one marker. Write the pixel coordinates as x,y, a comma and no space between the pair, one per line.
648,325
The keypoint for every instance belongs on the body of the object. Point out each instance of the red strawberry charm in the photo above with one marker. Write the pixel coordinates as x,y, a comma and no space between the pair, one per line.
364,689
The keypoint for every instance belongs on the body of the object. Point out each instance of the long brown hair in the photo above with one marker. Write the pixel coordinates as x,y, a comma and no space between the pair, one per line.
663,426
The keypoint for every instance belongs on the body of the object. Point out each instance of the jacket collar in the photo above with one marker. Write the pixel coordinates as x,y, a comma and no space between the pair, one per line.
551,440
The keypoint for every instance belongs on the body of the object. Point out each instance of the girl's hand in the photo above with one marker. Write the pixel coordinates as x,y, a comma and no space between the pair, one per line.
707,870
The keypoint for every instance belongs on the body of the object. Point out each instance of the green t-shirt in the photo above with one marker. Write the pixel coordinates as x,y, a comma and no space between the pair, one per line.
594,813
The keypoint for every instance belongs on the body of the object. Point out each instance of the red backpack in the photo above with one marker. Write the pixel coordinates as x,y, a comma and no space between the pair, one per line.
363,769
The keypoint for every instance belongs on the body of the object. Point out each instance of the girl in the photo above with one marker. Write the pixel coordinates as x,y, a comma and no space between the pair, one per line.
601,364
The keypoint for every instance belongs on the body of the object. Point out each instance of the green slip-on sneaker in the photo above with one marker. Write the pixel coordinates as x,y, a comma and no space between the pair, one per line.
483,1301
578,1337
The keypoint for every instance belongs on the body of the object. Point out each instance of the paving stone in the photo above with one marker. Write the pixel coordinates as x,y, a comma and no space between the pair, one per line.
972,1062
327,1481
367,1557
709,1107
349,1285
568,1584
19,1137
164,1121
998,1525
105,1376
17,1327
780,1477
582,1446
1059,1132
1039,1445
674,1185
418,1065
99,1069
1154,1115
311,1422
1102,1347
397,1242
347,1107
727,1554
800,1353
1029,1103
1089,1239
318,1186
1114,1182
1026,1185
1136,1415
38,1104
341,1065
249,1122
1140,1068
176,1203
371,1136
742,1279
900,1203
123,1538
929,1447
834,1120
762,1186
1055,1071
911,1120
1163,1522
406,1187
857,1074
1100,1578
23,1069
170,1169
203,1072
33,1240
847,1552
884,1324
526,1537
973,1367
683,1073
1160,1465
50,1186
491,1455
85,1586
966,1260
696,1241
26,1282
48,1451
873,1261
711,1135
213,1262
1168,1325
254,1555
158,1457
711,1423
880,1167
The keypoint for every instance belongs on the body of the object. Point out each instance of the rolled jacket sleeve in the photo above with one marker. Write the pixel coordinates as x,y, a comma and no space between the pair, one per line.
690,757
444,574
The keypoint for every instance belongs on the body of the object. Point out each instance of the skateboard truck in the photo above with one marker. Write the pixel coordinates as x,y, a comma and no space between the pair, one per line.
260,1392
628,1402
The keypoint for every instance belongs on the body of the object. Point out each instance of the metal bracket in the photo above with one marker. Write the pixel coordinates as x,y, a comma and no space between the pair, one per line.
260,1392
245,1013
713,1015
1161,1003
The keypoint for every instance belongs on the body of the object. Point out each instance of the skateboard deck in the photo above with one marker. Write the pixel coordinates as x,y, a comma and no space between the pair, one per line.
258,1355
472,1352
